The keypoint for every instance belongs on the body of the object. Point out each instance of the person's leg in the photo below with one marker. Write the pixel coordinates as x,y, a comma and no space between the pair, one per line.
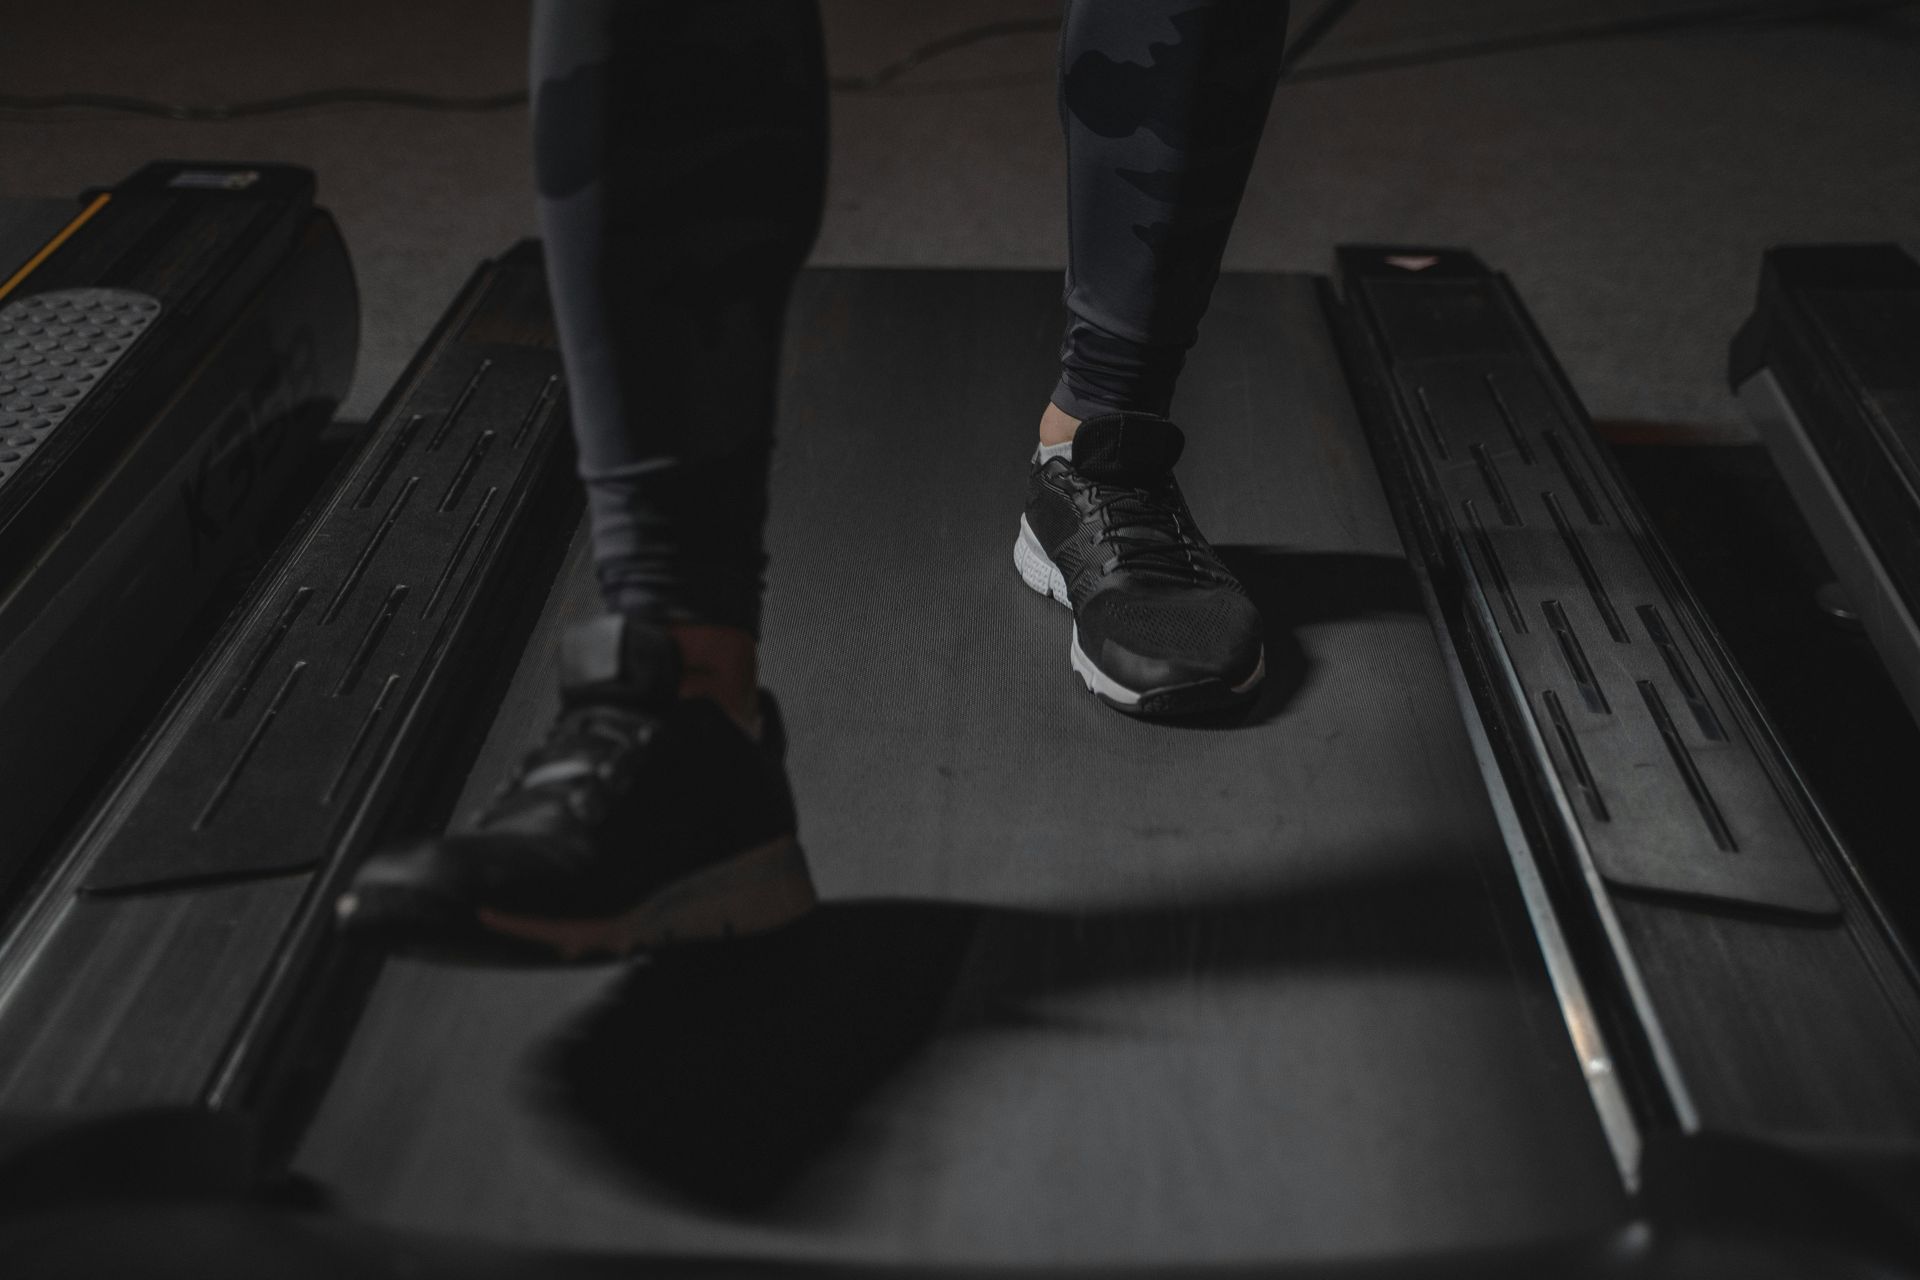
680,155
1163,103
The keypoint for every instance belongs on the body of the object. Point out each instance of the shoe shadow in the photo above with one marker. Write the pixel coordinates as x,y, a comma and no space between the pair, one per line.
723,1074
1297,589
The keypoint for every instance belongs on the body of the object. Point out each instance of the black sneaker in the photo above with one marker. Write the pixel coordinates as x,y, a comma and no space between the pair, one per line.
1159,625
642,820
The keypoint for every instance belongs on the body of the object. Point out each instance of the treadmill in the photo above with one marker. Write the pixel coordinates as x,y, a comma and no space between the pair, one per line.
170,350
1500,937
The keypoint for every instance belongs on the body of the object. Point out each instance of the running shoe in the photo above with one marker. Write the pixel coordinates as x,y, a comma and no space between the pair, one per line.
1160,627
641,821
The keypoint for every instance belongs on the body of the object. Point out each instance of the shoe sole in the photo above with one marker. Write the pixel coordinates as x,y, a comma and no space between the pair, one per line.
756,891
1039,572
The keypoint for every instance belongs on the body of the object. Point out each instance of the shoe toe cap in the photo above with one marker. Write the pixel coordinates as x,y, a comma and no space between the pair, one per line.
1147,643
426,887
404,888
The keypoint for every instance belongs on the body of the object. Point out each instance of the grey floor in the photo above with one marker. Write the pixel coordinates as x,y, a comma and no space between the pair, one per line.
1628,185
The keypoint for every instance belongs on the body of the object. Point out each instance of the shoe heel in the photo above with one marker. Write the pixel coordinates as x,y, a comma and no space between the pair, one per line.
1036,570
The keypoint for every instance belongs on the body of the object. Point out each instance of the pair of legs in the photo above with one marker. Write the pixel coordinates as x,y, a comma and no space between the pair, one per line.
681,158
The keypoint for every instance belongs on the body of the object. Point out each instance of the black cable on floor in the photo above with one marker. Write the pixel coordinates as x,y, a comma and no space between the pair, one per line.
1612,29
944,45
1311,35
20,103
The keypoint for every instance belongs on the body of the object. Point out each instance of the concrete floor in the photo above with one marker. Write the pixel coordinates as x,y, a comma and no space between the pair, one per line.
1628,185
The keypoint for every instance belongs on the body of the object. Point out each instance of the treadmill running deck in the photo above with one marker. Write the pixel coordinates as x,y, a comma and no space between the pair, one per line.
1085,989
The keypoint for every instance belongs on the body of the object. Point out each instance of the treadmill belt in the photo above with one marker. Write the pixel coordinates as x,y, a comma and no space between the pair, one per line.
1083,989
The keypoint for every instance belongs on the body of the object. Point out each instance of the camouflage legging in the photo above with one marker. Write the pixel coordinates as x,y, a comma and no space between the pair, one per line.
680,150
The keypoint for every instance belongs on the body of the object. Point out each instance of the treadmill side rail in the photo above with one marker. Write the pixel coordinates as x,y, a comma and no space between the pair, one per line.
1828,368
1743,977
167,358
204,882
199,253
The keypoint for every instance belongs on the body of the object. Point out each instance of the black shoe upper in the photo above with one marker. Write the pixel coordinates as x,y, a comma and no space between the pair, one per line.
1154,605
632,789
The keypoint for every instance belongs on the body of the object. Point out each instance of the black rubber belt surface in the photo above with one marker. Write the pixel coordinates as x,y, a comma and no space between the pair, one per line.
1085,989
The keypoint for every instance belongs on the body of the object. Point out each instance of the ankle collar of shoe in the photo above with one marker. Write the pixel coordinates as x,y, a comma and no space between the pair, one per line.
1127,448
619,659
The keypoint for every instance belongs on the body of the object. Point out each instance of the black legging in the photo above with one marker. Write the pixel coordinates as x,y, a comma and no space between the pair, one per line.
681,155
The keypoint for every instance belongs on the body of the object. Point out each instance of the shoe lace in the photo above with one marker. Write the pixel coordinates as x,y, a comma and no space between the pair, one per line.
1149,532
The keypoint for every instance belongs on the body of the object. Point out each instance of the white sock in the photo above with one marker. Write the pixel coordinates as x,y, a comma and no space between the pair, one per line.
1048,452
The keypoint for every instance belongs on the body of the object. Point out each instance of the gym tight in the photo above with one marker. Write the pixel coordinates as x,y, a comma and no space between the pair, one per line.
680,152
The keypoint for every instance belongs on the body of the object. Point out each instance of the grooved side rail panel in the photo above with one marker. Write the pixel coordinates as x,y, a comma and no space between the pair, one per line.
281,731
1669,790
158,960
1744,980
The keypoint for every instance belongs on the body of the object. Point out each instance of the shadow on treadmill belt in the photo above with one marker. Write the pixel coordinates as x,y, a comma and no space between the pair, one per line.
721,1073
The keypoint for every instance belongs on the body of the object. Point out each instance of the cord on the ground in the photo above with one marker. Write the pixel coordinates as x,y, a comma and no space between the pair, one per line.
1311,35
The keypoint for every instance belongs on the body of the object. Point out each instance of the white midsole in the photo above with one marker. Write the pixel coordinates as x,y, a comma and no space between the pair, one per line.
1038,571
